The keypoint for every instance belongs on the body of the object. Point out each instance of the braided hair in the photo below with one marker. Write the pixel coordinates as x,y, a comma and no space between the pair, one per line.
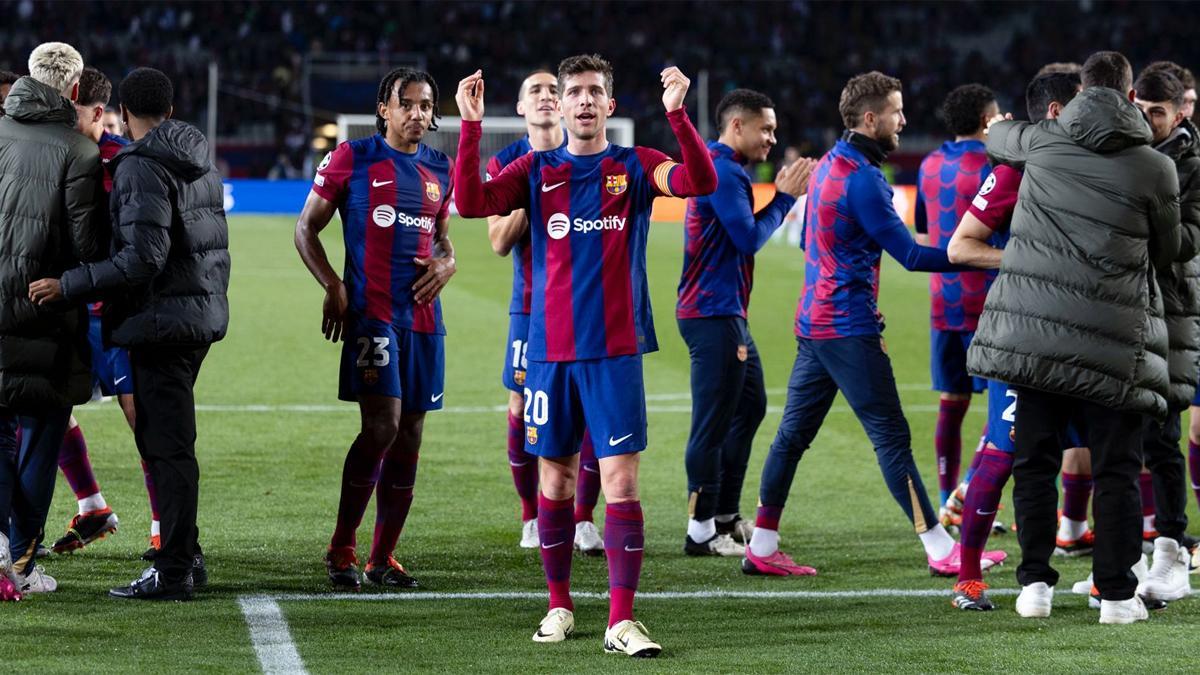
405,76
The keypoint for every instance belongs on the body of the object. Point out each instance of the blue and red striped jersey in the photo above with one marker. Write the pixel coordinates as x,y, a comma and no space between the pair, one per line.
948,180
721,234
110,145
849,221
390,203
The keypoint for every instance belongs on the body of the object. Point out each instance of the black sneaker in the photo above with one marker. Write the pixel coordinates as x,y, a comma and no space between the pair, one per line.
739,529
151,586
342,566
199,571
718,544
392,574
86,528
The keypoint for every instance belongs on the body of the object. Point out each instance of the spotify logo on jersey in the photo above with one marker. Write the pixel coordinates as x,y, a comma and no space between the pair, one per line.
384,215
558,226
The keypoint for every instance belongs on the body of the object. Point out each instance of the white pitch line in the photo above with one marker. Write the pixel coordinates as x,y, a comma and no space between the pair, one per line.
651,595
270,635
348,408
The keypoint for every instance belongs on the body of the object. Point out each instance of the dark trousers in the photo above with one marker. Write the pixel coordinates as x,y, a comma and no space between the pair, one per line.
859,368
163,378
27,473
1164,459
1114,437
729,401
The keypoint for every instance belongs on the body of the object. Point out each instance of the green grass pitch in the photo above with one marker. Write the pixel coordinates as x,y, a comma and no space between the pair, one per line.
269,488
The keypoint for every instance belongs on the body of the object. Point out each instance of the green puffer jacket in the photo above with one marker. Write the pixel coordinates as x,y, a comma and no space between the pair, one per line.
1181,283
1075,309
51,217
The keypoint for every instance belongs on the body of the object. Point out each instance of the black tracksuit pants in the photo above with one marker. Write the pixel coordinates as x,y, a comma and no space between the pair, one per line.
1164,459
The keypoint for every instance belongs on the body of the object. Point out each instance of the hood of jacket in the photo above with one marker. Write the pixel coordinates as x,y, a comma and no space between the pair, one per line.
1103,121
178,146
1182,142
32,102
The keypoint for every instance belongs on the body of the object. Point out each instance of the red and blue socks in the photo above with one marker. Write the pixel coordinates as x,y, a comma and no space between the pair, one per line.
947,444
979,510
1077,490
587,487
393,499
359,473
524,468
76,466
1194,468
556,530
624,541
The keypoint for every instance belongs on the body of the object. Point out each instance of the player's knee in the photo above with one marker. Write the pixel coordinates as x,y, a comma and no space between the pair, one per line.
557,482
516,404
380,433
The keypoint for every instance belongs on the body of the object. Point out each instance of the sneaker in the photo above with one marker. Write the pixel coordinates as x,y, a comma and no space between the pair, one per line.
1035,600
1083,587
1168,577
1075,547
86,528
718,544
950,520
155,545
341,564
1148,538
556,627
972,595
199,571
392,575
529,534
587,538
630,637
739,529
1088,586
35,581
778,564
1123,611
41,552
151,586
952,563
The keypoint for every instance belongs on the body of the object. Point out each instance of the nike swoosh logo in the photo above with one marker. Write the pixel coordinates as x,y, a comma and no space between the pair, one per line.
553,545
119,380
517,464
632,550
381,183
547,188
436,398
1194,486
361,485
613,442
541,634
989,513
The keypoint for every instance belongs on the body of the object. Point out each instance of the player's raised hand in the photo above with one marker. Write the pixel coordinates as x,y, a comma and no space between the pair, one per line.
470,97
793,178
333,312
675,86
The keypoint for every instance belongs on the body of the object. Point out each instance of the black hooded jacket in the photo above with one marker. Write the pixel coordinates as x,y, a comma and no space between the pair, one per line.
167,278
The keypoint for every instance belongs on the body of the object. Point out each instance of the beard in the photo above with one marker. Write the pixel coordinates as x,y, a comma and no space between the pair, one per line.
889,142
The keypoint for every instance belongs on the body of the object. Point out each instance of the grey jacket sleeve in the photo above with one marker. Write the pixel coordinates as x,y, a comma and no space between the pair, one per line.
143,206
1164,217
84,201
1008,142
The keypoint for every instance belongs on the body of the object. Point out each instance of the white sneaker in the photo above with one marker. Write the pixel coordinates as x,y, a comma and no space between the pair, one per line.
558,624
1083,587
1035,600
1140,569
630,637
37,581
740,529
1168,578
720,545
587,538
1123,611
529,534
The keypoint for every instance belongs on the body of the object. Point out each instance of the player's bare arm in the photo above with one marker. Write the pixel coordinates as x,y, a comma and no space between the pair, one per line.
315,215
969,244
437,269
505,231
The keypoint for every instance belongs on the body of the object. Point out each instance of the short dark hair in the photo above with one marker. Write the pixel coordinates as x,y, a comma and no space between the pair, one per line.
741,100
8,77
1159,86
1107,69
1182,74
94,88
147,92
963,109
1069,67
585,63
865,92
535,71
405,76
1058,87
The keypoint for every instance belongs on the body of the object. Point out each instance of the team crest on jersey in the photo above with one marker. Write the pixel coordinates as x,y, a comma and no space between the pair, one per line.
519,377
531,435
433,191
616,185
370,376
743,353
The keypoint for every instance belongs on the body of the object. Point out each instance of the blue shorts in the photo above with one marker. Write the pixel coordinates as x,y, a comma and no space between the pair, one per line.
515,364
1002,414
607,397
383,360
948,362
111,373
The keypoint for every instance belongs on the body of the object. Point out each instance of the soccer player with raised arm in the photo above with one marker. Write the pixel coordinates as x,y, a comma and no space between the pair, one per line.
948,179
588,207
849,222
393,195
537,102
720,237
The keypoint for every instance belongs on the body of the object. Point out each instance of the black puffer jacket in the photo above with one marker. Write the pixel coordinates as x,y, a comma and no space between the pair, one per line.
51,217
1181,285
169,272
1075,309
